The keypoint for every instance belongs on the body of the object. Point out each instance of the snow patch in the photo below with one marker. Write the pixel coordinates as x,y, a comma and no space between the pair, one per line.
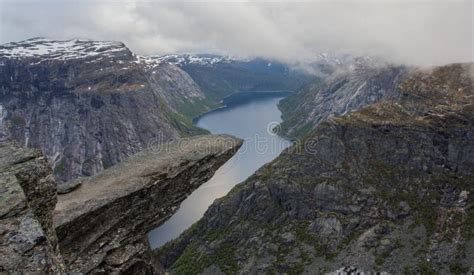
150,62
3,114
195,59
354,96
48,49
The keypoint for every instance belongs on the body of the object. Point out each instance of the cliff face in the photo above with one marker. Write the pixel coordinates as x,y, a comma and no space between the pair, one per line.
385,188
28,242
349,87
101,226
88,105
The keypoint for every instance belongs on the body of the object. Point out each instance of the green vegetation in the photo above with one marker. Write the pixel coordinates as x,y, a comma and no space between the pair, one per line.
303,235
293,114
215,234
193,261
386,178
221,80
59,168
380,259
18,121
457,269
183,124
192,110
425,268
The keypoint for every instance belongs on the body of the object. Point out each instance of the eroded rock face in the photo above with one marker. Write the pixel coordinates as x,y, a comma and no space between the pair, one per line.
102,225
386,188
28,241
89,104
349,87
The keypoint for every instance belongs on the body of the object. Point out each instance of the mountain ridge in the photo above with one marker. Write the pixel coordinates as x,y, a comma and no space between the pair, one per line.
385,188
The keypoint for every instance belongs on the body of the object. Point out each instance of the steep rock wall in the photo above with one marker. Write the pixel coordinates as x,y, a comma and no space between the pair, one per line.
87,104
102,225
28,242
386,188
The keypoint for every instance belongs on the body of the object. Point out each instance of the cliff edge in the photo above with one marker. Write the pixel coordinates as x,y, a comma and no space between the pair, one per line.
101,225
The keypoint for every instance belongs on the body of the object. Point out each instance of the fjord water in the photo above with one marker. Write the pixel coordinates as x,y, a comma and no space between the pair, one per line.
251,120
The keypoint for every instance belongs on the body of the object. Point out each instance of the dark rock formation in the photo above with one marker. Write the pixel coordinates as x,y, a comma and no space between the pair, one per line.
88,105
349,87
386,188
102,225
28,243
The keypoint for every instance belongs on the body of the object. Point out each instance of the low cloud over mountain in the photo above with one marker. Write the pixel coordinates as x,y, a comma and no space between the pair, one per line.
426,32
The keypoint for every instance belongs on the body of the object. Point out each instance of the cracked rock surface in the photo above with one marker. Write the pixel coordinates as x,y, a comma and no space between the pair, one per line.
28,241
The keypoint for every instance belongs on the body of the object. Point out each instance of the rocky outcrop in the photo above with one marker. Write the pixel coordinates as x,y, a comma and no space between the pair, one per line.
349,86
102,225
88,104
28,242
386,188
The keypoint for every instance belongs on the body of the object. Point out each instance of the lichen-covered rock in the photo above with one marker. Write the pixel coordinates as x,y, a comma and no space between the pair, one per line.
28,242
386,188
102,225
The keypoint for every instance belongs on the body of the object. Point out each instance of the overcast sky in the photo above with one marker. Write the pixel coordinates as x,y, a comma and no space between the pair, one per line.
426,32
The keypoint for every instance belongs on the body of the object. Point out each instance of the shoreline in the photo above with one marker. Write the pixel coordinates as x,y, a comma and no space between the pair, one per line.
240,98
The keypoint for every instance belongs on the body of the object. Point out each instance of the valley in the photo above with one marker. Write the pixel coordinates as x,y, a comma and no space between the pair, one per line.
250,119
383,188
114,162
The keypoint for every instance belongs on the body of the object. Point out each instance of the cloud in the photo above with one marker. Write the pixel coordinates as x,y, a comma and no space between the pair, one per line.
422,32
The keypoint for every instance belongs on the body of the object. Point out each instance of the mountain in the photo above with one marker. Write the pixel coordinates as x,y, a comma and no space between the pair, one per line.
350,85
386,188
221,76
90,104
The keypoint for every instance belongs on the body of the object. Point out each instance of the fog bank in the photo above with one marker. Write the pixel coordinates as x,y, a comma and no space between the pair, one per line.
420,33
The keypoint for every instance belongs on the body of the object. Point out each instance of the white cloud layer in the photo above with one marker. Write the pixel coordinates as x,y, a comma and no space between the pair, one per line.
422,32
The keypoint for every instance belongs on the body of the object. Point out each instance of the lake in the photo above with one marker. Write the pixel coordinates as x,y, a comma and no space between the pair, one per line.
251,119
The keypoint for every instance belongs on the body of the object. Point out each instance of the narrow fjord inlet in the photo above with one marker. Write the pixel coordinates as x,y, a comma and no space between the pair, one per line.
237,137
251,120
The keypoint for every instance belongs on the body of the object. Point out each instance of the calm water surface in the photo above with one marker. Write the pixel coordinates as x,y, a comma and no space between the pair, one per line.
251,121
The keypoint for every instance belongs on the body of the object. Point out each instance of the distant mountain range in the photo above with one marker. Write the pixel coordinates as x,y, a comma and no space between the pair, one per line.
220,76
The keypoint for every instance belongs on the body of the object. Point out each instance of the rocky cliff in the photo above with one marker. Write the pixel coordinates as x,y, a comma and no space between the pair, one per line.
349,86
386,188
28,241
101,226
88,104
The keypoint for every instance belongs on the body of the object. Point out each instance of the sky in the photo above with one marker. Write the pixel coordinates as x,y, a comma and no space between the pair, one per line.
422,32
